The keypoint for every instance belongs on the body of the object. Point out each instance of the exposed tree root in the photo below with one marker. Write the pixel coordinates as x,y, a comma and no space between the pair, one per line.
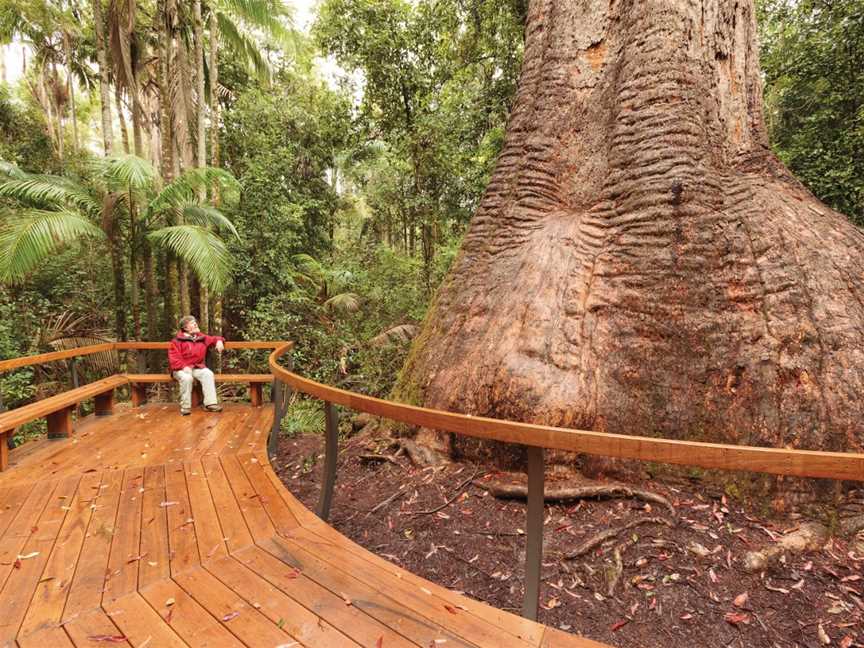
519,491
421,455
608,534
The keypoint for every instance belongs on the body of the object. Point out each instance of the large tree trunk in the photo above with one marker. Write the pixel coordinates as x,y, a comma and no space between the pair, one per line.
641,263
104,82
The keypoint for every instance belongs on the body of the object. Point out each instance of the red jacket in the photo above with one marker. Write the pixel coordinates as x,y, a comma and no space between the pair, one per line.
190,351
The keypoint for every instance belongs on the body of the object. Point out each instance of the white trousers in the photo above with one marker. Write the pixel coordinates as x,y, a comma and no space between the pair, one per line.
187,378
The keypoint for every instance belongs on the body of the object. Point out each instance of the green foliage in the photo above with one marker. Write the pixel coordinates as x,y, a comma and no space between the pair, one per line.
303,416
23,136
813,60
29,236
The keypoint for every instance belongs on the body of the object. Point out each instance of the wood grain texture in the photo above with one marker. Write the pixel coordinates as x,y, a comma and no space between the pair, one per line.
42,358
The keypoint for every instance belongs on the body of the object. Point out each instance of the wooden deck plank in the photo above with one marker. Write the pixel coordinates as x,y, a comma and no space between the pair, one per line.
223,424
248,500
11,501
235,614
296,620
402,617
281,515
194,624
154,551
408,588
22,581
46,607
231,441
46,638
353,621
553,638
122,577
86,590
182,538
230,518
211,539
138,621
92,629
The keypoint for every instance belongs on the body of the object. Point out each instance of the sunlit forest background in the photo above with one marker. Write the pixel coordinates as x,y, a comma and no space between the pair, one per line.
301,181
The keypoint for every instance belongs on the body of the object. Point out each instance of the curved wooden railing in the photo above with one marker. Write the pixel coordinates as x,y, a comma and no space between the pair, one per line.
536,438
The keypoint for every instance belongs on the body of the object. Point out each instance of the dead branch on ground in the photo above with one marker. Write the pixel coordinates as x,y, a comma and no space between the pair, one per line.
520,491
608,534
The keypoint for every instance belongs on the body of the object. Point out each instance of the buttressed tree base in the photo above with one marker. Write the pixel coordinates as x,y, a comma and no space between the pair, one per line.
641,262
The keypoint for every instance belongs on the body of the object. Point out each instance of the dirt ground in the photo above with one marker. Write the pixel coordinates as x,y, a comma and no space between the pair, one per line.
677,586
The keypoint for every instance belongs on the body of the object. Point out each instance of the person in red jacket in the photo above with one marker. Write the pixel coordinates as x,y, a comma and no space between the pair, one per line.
186,356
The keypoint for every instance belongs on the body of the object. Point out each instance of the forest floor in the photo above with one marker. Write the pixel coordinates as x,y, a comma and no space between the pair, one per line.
677,586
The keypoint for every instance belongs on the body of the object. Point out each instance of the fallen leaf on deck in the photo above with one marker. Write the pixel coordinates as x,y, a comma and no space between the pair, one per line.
741,600
169,602
231,615
166,504
28,556
379,643
108,638
450,609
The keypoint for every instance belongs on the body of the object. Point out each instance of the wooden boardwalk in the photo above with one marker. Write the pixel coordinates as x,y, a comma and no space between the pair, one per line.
150,529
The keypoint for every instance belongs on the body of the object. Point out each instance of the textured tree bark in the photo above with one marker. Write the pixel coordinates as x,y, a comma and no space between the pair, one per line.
640,262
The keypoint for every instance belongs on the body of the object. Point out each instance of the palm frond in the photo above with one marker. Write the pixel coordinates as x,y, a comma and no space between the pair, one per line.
47,191
127,172
309,269
343,303
30,236
185,189
273,18
205,216
203,250
244,46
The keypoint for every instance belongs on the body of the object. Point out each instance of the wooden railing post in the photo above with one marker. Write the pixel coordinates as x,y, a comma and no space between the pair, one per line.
534,529
331,453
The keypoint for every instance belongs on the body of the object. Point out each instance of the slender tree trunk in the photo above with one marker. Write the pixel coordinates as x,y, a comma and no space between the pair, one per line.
215,119
640,262
151,294
58,112
201,137
134,279
121,116
71,89
104,82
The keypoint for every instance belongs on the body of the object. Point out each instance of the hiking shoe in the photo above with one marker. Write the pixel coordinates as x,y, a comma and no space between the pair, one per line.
185,412
213,408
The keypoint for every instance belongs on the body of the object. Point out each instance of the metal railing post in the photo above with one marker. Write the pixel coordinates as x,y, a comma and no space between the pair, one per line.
330,455
276,397
534,527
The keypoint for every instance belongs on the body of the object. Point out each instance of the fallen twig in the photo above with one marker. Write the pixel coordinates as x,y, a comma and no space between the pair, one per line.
456,493
520,491
399,493
607,534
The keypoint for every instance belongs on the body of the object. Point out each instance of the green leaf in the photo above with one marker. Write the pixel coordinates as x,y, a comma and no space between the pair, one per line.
30,236
203,250
128,171
48,191
205,215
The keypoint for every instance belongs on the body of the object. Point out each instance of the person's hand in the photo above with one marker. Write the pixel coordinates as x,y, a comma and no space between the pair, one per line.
220,347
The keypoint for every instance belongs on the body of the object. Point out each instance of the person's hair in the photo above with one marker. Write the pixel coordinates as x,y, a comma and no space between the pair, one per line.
184,321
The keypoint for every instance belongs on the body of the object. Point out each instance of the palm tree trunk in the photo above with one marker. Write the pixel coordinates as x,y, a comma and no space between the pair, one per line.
201,138
52,99
214,143
151,294
71,86
124,129
134,292
104,96
167,133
